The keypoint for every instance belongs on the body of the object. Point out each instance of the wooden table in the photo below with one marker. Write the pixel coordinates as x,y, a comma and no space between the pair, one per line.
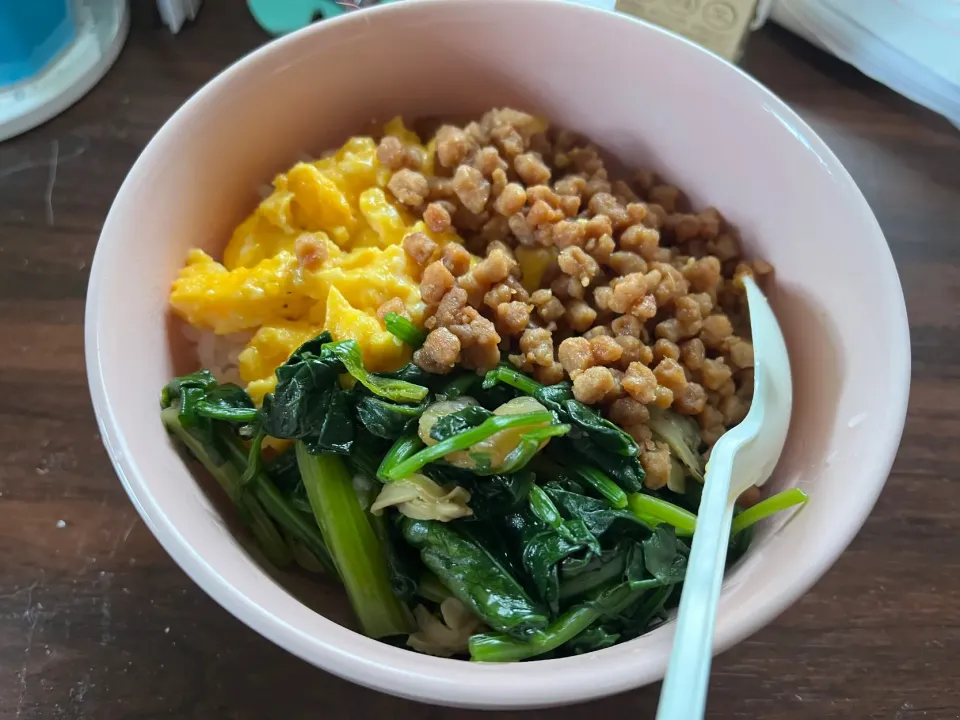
97,622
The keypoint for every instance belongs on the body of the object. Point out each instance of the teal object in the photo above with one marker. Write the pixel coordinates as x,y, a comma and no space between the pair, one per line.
279,17
32,33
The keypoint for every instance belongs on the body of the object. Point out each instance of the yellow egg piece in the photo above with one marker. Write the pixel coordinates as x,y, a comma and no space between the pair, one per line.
277,208
398,129
258,388
366,278
255,240
356,165
318,202
381,350
533,262
270,347
390,223
210,297
425,154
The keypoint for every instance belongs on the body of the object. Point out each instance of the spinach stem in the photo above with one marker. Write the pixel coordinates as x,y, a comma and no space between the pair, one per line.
500,647
555,464
462,441
527,449
649,508
543,507
227,475
254,459
403,448
768,507
608,572
404,330
285,513
651,522
602,483
513,378
353,544
271,541
228,414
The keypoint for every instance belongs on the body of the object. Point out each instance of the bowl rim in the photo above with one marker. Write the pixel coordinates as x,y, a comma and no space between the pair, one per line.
441,681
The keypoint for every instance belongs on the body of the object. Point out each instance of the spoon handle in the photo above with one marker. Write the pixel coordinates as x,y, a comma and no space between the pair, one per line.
684,692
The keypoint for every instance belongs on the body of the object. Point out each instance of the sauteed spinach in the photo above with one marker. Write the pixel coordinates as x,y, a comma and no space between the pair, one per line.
512,500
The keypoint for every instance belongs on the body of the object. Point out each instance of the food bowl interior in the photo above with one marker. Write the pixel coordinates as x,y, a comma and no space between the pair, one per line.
649,99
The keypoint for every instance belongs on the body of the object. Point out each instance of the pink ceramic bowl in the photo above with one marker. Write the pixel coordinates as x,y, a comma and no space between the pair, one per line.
649,97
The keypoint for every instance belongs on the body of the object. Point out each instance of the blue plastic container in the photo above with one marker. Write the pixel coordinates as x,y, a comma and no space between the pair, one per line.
32,34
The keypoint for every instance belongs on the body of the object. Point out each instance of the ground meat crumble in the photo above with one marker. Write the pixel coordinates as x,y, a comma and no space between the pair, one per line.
616,285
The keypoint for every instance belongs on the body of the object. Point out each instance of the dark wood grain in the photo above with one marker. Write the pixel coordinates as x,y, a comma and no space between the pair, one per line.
97,622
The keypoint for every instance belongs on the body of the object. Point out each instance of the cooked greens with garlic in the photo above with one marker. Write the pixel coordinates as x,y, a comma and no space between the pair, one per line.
490,517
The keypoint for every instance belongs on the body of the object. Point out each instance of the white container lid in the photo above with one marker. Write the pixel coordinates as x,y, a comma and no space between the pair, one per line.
101,31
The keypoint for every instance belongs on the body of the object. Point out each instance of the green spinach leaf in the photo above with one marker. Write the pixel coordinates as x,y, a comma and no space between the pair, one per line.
602,432
416,375
489,534
308,403
475,577
228,396
402,391
580,575
664,558
559,398
291,410
491,496
457,422
594,638
639,618
331,429
544,548
386,419
228,402
190,391
627,472
607,603
173,390
556,396
597,515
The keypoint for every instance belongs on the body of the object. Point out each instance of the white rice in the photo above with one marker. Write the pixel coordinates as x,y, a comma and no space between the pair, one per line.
218,353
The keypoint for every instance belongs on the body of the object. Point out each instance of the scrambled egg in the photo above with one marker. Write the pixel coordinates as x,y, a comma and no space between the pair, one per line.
340,203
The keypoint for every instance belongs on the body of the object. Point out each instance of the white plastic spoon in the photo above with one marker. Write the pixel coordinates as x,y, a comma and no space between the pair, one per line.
743,457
